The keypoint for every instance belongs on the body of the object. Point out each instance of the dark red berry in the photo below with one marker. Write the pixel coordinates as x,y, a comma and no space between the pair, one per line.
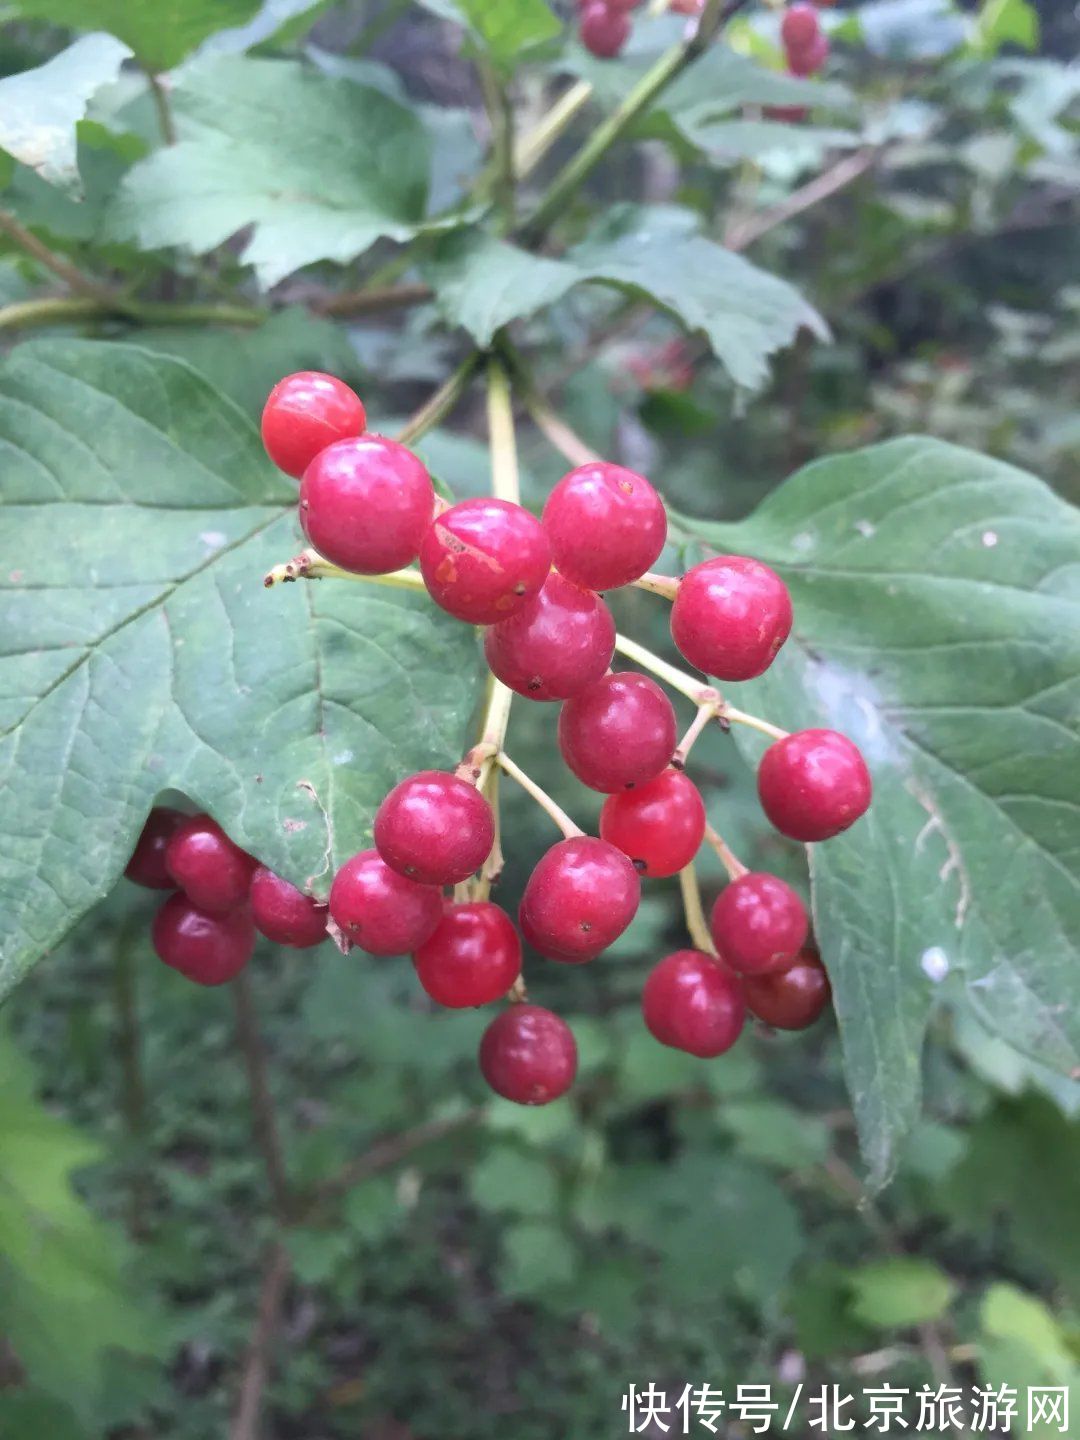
528,1055
790,114
730,617
208,949
580,897
214,873
800,28
285,914
660,825
381,911
793,998
558,643
434,828
607,525
473,957
691,1004
482,560
618,733
809,61
813,784
305,413
758,924
366,504
603,31
147,863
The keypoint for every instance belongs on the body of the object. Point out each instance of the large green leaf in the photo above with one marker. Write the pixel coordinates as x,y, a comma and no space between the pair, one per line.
160,34
937,621
505,29
139,651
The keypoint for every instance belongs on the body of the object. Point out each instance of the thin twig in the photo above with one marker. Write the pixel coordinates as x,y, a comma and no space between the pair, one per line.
133,1097
263,1117
71,275
163,107
375,297
741,234
540,795
730,861
385,1154
248,1414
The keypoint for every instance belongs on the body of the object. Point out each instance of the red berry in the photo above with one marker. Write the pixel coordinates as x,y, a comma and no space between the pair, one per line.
604,32
381,911
285,914
607,526
304,414
580,897
365,504
758,924
730,617
791,114
472,958
528,1055
618,733
559,642
800,28
792,999
809,61
660,825
434,828
691,1004
483,560
147,863
813,784
208,949
214,873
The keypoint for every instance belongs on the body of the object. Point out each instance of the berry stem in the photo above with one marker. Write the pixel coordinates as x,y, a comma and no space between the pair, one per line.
542,798
551,425
440,404
730,861
478,764
533,146
504,462
665,585
696,923
310,565
705,713
491,871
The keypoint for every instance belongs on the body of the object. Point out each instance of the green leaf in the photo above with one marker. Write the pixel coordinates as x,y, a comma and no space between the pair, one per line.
899,1292
511,1179
1011,1315
775,1133
1006,22
160,34
139,651
261,146
936,621
504,29
537,1257
40,109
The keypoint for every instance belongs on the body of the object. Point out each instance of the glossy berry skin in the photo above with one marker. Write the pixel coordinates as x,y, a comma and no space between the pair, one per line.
800,28
473,957
618,733
809,61
209,949
813,784
730,617
603,30
758,924
660,825
607,526
366,504
304,414
792,999
581,896
528,1055
482,560
379,910
147,864
285,914
558,643
214,873
691,1004
434,828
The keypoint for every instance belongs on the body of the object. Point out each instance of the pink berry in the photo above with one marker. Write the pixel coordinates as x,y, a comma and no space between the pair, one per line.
214,873
800,28
618,733
366,504
607,526
793,998
208,949
660,825
580,897
305,413
379,910
691,1004
528,1055
813,784
758,924
482,560
809,61
285,914
558,643
147,864
603,31
730,617
472,958
434,828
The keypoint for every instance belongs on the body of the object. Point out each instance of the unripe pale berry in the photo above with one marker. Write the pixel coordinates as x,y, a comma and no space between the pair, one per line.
580,897
528,1055
618,733
147,864
209,949
304,414
558,643
434,828
813,784
758,924
691,1004
214,873
792,999
285,914
730,617
381,911
482,560
607,525
366,504
659,825
472,957
604,31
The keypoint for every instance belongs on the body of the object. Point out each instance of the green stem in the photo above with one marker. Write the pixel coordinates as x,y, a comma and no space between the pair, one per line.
542,798
505,482
696,923
71,275
162,106
310,565
441,403
501,120
730,861
532,148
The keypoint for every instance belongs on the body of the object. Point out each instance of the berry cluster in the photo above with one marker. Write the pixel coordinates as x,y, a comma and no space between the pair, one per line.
604,25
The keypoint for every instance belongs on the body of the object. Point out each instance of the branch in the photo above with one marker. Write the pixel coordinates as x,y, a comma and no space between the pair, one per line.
245,1424
376,297
71,275
263,1118
742,234
385,1154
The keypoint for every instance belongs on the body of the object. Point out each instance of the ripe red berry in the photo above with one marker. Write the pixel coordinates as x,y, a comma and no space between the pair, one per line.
285,914
208,949
304,414
618,733
559,642
809,61
147,863
214,873
691,1004
790,114
800,28
473,957
730,617
434,828
365,504
793,998
581,896
758,924
381,911
607,526
813,784
603,31
660,825
528,1055
483,559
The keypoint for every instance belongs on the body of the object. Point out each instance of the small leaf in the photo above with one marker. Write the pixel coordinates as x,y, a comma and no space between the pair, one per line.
893,1294
504,29
537,1258
509,1179
160,34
